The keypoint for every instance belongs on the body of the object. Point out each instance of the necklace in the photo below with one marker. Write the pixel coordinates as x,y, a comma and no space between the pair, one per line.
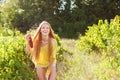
44,42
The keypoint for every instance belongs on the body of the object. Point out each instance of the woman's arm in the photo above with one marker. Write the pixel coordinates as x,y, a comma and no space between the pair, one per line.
29,44
53,55
52,65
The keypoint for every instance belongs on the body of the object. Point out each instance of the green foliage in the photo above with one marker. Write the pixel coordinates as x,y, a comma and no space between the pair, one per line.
60,49
103,39
30,13
7,11
64,15
14,63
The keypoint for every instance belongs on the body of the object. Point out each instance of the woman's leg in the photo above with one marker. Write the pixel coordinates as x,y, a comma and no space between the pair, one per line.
53,73
41,72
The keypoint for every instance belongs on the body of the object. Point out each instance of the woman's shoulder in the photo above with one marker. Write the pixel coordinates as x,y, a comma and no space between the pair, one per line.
54,41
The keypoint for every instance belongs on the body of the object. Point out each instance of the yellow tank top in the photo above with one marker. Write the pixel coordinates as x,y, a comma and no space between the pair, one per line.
44,58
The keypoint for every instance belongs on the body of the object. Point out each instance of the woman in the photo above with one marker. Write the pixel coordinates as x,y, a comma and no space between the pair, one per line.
43,52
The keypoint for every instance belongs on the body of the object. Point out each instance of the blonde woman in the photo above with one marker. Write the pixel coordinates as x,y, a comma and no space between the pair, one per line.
42,49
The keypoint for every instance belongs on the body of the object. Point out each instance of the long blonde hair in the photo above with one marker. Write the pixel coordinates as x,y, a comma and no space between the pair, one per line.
37,40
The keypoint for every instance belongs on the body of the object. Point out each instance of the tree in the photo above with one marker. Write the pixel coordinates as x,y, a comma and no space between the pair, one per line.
7,12
33,12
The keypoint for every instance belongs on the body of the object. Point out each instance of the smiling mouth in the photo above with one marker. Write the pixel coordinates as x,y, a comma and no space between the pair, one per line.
45,32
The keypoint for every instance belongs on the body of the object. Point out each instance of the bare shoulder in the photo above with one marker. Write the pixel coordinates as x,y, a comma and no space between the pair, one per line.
54,41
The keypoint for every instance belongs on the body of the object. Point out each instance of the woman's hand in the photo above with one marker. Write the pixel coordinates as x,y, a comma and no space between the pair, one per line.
28,36
52,71
29,39
49,68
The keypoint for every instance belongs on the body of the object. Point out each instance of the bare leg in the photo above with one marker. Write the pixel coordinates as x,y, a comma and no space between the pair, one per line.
53,73
41,73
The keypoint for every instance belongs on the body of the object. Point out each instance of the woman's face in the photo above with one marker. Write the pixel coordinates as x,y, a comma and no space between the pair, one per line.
45,29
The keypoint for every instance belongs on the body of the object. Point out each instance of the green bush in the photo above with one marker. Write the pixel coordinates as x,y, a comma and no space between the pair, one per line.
14,63
60,49
104,39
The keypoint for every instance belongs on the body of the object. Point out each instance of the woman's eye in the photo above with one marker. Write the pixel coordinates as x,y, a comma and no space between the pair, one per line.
43,27
47,27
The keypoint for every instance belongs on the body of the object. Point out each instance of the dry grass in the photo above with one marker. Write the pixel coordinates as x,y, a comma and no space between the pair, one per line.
85,67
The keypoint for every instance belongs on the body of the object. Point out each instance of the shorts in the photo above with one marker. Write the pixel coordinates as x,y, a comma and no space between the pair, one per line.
38,66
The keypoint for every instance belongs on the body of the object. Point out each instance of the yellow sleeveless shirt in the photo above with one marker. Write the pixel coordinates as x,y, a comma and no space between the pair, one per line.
44,58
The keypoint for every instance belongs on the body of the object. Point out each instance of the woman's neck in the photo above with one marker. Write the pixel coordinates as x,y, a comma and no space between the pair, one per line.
45,38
